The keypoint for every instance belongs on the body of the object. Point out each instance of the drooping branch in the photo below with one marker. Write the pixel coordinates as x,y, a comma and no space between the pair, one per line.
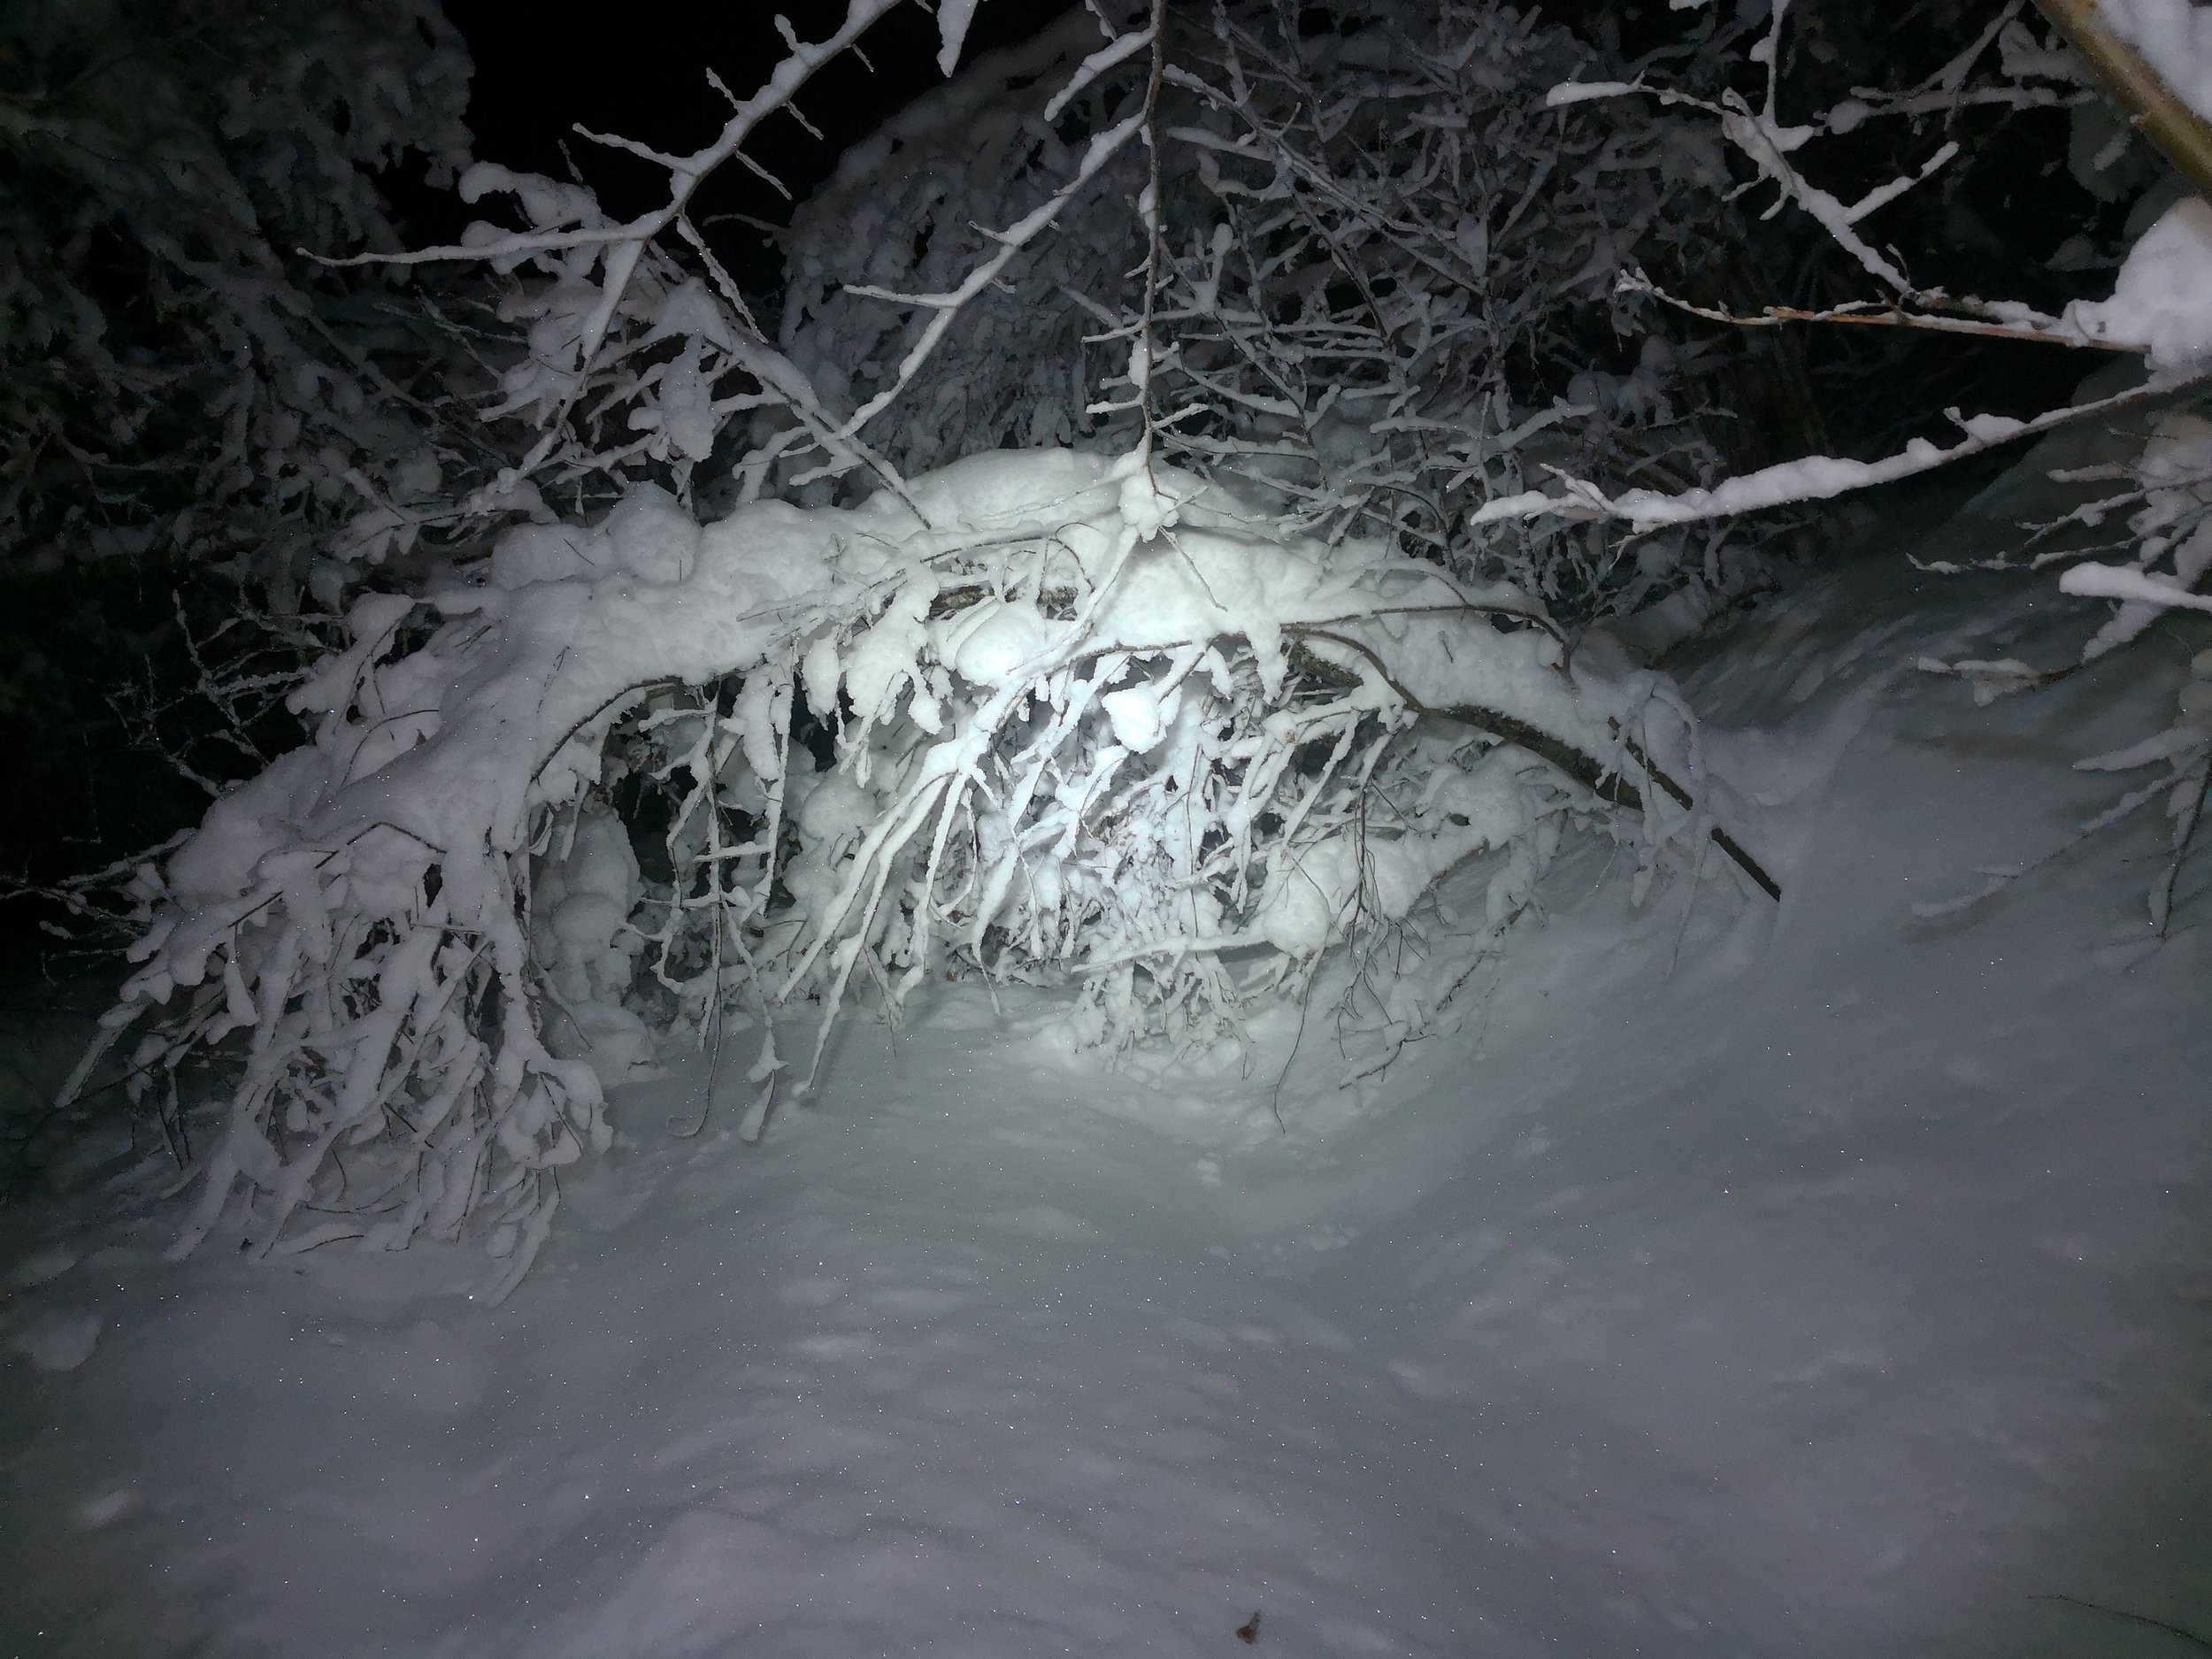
1602,780
1012,241
1819,477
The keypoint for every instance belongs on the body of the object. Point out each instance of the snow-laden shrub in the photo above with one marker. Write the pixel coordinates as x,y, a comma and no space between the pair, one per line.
1093,723
1039,716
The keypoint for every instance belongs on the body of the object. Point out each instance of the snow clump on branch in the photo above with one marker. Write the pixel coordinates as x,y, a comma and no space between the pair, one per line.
1170,769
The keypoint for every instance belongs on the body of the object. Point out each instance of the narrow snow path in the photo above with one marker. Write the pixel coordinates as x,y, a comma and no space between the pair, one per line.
1841,1292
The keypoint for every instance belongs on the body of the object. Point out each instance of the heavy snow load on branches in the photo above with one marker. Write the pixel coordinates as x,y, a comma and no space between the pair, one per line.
2163,300
1093,723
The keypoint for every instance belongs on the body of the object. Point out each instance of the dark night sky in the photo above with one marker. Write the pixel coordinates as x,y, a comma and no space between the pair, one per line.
639,69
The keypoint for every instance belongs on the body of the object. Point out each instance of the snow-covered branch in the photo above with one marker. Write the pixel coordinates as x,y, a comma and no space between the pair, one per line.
1074,738
1882,314
1817,477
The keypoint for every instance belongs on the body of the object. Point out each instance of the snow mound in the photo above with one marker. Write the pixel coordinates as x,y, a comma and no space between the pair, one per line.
2163,299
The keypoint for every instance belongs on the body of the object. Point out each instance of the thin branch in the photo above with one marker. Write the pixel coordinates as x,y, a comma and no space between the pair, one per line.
1815,477
1586,770
1884,314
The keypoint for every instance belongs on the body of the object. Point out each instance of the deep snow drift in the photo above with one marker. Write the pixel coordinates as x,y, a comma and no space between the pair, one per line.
1740,1280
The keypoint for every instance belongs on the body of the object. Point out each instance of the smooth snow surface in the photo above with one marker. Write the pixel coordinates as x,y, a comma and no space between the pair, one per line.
1843,1290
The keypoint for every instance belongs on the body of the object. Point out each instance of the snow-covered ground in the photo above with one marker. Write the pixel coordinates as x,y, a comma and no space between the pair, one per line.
1741,1281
